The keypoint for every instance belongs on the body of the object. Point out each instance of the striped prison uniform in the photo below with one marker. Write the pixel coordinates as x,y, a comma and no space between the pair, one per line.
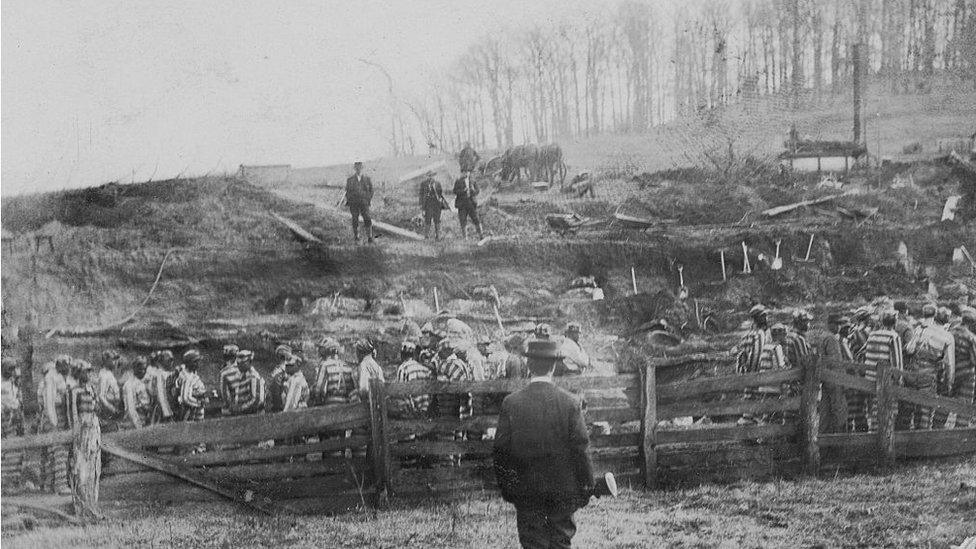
934,361
52,394
294,392
137,404
276,383
797,348
335,383
881,345
230,376
109,401
770,358
453,405
858,340
964,385
749,350
412,407
192,394
247,394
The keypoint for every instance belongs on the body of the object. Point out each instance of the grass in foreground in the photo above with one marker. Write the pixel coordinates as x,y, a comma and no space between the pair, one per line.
931,505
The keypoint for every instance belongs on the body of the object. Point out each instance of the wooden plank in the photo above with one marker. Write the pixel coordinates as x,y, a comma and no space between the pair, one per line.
859,368
161,488
779,210
301,233
738,432
834,377
379,449
402,427
887,407
691,476
612,415
434,166
727,408
442,448
649,428
254,453
570,383
945,403
264,471
247,498
218,431
810,414
907,444
659,362
727,455
615,440
686,389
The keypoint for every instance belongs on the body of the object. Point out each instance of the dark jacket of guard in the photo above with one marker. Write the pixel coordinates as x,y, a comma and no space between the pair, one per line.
466,190
359,192
432,195
540,449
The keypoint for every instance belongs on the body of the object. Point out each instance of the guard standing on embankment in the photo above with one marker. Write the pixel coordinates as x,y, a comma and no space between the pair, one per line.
359,196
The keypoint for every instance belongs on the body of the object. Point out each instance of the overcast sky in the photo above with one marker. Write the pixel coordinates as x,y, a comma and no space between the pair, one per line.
99,91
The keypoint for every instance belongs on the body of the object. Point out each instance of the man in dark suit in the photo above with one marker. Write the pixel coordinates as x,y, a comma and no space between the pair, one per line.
541,458
359,195
466,190
431,203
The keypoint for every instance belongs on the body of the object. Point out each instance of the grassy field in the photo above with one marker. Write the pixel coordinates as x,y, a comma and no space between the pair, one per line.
930,505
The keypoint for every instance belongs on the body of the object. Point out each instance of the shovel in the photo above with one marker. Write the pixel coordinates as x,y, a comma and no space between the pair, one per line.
683,290
777,261
746,267
809,247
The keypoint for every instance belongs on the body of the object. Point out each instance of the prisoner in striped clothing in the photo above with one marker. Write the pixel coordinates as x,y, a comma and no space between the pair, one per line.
411,407
108,402
749,350
796,346
964,386
294,391
135,397
248,391
160,369
230,374
193,392
934,359
335,381
882,344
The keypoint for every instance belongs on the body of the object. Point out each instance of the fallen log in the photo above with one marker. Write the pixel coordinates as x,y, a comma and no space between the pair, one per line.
421,171
295,228
780,210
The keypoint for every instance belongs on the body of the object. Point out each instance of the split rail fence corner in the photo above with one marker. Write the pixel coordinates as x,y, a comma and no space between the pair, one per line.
340,457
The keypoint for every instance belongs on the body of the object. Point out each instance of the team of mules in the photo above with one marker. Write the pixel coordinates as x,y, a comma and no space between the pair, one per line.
534,162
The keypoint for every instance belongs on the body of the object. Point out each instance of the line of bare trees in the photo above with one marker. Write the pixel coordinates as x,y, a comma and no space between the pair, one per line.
637,64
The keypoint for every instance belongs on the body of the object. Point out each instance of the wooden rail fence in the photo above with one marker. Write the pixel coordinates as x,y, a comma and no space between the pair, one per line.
649,434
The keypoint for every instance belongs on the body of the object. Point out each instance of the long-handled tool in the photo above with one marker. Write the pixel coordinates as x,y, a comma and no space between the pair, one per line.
633,279
777,261
806,259
495,306
722,255
682,290
746,266
437,301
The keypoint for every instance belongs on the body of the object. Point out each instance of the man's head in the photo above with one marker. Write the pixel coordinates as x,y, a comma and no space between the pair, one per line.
164,359
861,315
901,308
357,167
230,353
444,349
139,365
929,310
283,353
293,365
244,360
63,364
110,359
942,315
759,315
835,321
364,348
573,331
328,347
192,359
542,331
888,318
408,351
968,315
801,320
778,332
484,345
515,344
82,371
542,356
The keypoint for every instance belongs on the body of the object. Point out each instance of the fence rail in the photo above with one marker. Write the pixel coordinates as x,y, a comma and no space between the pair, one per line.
308,460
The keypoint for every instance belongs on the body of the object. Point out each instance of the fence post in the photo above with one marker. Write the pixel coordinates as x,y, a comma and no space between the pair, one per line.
86,464
649,427
379,443
810,414
887,406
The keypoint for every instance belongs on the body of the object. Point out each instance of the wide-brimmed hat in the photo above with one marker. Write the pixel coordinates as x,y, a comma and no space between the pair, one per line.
543,349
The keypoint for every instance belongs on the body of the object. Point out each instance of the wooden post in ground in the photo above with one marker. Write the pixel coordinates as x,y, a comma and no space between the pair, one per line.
887,406
810,415
649,427
86,465
379,442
